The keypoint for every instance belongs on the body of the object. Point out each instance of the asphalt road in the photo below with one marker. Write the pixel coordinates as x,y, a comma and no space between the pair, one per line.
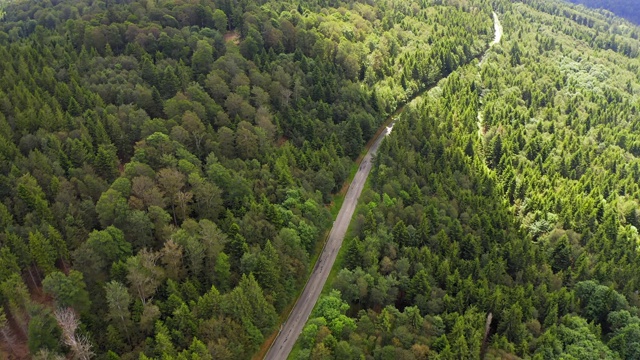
292,328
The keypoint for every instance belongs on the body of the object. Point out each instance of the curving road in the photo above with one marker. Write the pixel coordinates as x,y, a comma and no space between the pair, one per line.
292,328
498,28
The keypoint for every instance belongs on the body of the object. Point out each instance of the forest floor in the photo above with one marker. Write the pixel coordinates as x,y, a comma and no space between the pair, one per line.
17,348
232,36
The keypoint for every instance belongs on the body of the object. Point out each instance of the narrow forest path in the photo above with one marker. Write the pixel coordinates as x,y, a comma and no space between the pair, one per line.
292,328
498,28
498,36
496,39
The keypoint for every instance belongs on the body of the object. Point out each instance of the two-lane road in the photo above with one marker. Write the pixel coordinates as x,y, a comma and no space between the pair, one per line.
292,328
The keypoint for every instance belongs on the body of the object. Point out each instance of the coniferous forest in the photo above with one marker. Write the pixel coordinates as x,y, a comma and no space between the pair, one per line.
169,170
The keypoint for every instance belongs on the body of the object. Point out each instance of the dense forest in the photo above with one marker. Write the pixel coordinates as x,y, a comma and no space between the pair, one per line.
166,166
501,216
167,170
629,9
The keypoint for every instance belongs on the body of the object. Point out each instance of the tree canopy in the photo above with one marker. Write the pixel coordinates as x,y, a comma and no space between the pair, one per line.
167,169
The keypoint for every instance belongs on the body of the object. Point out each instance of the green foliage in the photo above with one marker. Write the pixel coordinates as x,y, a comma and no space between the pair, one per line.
103,248
67,290
44,332
572,339
247,305
118,300
8,264
42,252
332,309
598,301
177,158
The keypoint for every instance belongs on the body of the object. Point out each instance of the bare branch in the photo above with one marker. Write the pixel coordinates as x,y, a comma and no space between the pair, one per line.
79,344
68,322
5,331
9,337
46,354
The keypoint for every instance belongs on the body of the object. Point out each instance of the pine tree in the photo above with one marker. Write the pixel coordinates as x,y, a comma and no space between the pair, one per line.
400,234
236,247
73,107
148,71
42,252
561,257
222,271
420,285
8,264
169,83
354,254
353,139
268,272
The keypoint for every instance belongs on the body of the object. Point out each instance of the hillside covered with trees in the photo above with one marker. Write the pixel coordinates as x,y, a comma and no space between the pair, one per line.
167,170
166,166
501,218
